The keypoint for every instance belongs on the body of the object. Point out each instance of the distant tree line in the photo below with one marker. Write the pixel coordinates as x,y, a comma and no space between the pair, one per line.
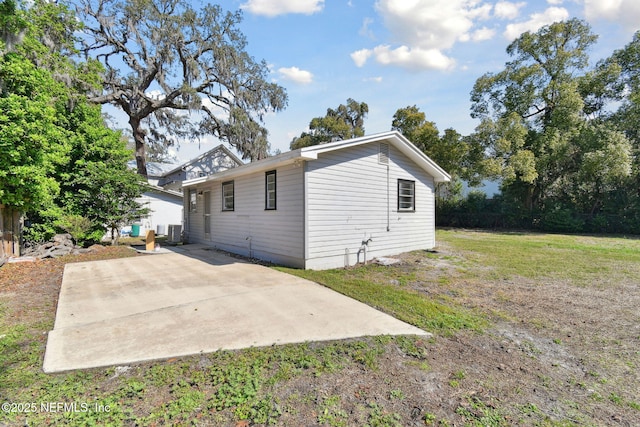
561,135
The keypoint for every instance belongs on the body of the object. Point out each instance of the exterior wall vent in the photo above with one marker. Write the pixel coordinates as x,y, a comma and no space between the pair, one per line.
383,153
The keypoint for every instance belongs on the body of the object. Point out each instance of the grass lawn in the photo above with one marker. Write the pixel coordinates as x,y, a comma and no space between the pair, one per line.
529,329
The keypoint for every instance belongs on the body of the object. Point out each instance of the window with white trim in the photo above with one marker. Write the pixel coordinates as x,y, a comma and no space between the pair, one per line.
406,195
270,190
228,196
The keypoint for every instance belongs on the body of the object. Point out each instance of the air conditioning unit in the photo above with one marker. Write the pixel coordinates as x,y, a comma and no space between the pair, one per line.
161,230
175,232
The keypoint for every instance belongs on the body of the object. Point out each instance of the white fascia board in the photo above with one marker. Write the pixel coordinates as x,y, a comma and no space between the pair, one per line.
194,181
337,145
311,153
394,137
421,159
253,167
157,189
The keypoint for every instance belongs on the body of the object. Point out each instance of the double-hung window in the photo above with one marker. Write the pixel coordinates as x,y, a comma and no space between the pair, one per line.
270,190
406,195
228,196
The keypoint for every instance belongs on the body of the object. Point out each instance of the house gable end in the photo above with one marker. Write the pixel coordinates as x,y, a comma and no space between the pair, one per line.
394,138
213,161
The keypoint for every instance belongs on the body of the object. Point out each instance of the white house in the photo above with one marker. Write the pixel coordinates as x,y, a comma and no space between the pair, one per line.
164,197
318,207
213,161
165,208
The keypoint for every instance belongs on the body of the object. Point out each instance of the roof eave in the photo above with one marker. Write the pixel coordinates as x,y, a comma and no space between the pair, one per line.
158,189
420,158
398,140
261,165
311,153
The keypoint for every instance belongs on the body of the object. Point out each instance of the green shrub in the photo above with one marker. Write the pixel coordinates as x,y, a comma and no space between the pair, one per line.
80,228
561,220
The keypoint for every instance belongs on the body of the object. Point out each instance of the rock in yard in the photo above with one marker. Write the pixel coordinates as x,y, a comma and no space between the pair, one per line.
22,259
60,245
63,239
387,261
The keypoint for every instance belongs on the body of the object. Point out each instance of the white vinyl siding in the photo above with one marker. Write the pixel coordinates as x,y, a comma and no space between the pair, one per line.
250,230
326,209
353,197
383,154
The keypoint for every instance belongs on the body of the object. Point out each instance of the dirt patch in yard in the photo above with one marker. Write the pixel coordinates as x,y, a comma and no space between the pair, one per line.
555,353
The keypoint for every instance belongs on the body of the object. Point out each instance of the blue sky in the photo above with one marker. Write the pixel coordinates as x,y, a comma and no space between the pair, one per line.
395,53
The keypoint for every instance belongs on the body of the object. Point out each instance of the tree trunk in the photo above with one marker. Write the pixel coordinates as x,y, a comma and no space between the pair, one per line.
115,235
138,137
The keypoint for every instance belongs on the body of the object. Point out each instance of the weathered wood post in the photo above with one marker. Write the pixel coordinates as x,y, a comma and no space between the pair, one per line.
151,240
10,232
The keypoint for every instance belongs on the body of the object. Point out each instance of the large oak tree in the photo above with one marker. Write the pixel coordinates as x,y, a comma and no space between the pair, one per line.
58,160
538,122
178,72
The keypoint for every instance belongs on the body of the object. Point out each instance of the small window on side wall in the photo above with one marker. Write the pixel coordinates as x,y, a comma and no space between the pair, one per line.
228,196
270,190
193,203
406,195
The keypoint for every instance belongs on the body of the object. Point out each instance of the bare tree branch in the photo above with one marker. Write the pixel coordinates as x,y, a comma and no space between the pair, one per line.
162,56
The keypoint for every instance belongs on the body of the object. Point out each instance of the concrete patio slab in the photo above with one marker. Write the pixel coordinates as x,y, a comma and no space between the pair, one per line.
192,301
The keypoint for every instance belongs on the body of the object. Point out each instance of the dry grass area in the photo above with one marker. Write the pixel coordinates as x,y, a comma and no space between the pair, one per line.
529,329
562,342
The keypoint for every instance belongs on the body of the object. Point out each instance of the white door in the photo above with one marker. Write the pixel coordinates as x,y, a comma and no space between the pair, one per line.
207,215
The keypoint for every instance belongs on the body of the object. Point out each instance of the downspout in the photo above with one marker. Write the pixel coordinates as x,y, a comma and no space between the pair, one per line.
250,251
305,213
388,201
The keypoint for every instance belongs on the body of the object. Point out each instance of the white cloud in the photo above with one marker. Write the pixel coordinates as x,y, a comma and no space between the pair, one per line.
365,31
435,24
482,34
507,9
360,57
482,12
281,7
296,75
423,30
536,21
377,79
413,58
555,2
625,12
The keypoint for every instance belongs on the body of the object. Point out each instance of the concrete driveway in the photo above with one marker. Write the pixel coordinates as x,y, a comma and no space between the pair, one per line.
193,300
